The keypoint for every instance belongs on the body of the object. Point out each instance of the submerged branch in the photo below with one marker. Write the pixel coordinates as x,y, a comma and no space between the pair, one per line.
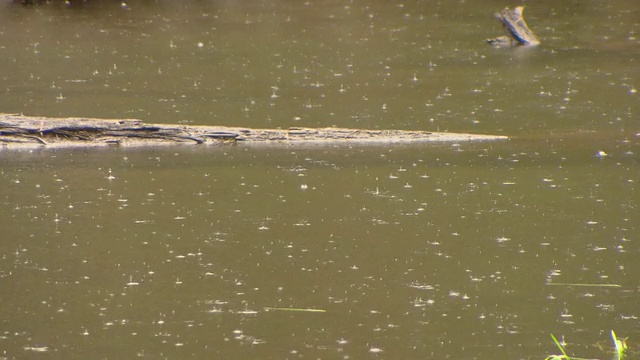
518,33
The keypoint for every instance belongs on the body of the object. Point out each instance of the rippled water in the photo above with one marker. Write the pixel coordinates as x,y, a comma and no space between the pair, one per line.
397,252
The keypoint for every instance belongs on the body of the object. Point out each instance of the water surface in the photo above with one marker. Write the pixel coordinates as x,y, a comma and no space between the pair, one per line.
397,252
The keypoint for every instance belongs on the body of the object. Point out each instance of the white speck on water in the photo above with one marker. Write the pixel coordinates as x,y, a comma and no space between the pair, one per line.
200,45
566,314
555,272
303,187
601,154
421,286
247,312
419,302
37,348
375,350
131,282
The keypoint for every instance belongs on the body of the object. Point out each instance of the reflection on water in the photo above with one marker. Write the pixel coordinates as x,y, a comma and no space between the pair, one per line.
416,252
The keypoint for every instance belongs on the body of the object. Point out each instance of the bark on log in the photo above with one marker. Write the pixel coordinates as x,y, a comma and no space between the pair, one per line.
516,28
20,131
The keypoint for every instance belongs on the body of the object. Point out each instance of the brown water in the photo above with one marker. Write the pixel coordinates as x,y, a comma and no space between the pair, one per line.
402,252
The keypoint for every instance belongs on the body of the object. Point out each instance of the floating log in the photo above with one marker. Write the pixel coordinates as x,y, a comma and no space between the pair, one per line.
21,131
518,33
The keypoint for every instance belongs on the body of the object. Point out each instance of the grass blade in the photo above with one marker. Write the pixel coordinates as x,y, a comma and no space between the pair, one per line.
620,346
560,347
294,309
584,284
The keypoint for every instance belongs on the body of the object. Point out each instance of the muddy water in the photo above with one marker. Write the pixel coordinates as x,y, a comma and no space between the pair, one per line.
403,252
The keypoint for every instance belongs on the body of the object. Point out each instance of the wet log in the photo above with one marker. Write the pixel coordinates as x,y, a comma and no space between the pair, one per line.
518,33
21,131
